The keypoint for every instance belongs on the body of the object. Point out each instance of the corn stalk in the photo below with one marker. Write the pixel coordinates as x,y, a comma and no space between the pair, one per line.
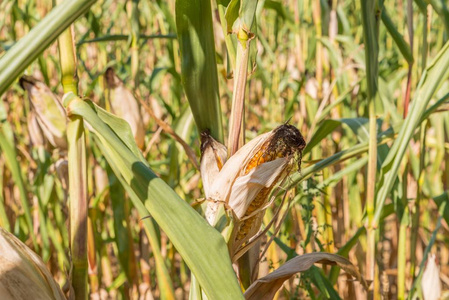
370,20
240,19
77,170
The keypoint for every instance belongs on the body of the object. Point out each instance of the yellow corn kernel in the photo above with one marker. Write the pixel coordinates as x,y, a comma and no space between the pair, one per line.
257,203
262,156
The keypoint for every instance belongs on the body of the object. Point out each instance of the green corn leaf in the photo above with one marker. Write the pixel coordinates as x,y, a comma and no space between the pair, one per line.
240,15
435,73
22,54
198,66
187,230
397,37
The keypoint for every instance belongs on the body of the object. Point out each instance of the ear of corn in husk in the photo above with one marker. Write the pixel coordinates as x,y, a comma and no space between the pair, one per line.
124,105
49,112
248,177
23,275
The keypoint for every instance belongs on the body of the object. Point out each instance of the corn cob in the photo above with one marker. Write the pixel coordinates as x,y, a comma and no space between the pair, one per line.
286,140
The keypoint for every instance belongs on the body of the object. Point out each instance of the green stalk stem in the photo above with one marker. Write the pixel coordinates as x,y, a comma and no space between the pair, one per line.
402,240
416,215
370,25
230,46
78,205
77,171
135,30
319,47
410,63
237,129
425,45
69,77
92,258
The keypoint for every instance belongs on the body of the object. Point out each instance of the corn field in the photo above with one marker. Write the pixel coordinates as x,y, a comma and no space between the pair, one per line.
229,149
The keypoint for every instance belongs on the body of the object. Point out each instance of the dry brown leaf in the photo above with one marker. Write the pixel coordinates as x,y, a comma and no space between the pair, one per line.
265,288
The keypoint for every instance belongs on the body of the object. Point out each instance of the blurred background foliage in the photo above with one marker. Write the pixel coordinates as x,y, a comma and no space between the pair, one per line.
309,69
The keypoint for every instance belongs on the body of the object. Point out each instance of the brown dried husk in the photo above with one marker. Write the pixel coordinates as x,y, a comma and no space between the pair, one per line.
124,105
49,112
246,180
23,275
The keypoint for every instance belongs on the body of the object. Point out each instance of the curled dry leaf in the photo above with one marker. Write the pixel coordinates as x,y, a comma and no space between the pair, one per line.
266,287
125,106
248,177
23,274
49,112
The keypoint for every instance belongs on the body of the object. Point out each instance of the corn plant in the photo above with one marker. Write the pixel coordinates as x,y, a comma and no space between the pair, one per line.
224,150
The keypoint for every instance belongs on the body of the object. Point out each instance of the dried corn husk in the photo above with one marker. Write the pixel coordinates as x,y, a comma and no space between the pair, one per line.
36,135
213,157
23,275
125,106
48,109
247,178
430,282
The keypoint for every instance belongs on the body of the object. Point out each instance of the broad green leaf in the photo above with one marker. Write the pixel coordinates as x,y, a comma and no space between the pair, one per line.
198,66
22,54
232,14
240,15
122,231
323,284
435,73
358,125
201,246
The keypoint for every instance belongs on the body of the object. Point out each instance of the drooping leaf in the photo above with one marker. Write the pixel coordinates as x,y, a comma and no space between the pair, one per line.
187,230
265,288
